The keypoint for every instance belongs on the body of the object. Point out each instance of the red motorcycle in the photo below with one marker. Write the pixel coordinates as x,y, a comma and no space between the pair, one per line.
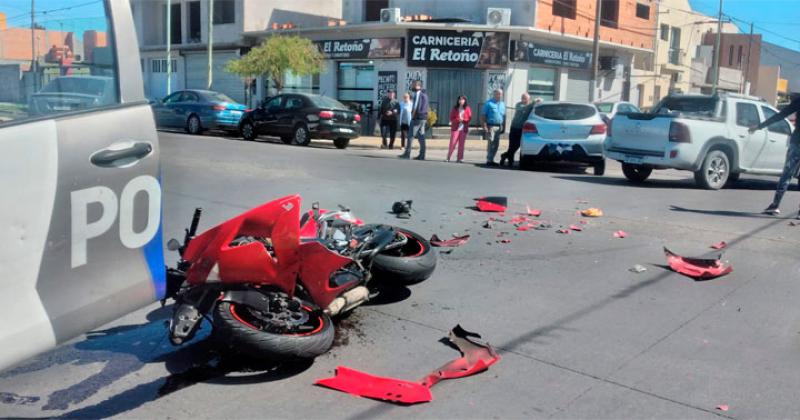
272,279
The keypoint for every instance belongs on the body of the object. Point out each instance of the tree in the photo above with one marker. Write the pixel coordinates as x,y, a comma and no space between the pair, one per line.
277,55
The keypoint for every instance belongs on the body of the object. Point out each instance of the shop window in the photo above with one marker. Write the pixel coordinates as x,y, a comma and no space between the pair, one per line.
542,83
609,13
194,22
175,24
300,84
565,8
730,57
740,56
355,82
224,12
642,11
665,32
74,70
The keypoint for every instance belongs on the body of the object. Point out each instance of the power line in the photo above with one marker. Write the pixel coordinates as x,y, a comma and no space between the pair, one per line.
38,12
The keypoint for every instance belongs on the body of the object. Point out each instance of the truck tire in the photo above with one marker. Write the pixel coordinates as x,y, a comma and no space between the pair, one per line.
636,173
714,171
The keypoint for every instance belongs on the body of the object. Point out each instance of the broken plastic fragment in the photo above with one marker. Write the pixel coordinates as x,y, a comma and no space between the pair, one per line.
487,224
638,269
475,358
533,212
576,228
505,241
620,234
563,231
721,245
592,212
697,268
492,204
723,407
456,241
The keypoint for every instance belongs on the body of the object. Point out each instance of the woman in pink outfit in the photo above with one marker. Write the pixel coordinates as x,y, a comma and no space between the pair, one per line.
459,125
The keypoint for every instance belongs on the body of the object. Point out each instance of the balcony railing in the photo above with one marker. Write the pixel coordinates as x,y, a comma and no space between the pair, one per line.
674,56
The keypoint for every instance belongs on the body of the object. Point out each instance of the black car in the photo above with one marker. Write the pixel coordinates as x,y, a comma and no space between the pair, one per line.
298,118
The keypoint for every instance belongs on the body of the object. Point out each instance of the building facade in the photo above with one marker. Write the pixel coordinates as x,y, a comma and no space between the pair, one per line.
739,52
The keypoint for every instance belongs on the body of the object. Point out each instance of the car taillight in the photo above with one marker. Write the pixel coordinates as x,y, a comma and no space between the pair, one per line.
358,117
529,127
679,133
326,115
599,129
219,107
247,110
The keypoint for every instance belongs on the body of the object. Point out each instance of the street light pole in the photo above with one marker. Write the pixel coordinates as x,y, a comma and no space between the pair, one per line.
595,51
34,64
717,52
210,43
169,47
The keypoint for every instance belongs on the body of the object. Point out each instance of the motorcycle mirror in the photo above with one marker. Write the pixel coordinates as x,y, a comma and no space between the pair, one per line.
343,208
173,245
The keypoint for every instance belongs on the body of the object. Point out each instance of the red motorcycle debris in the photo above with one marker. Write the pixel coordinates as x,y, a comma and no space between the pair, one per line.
697,268
272,279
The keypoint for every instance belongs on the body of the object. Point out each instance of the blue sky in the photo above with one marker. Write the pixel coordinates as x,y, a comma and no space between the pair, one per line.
69,15
778,21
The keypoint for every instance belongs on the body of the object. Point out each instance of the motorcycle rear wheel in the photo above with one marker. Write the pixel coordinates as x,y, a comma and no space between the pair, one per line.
412,263
237,328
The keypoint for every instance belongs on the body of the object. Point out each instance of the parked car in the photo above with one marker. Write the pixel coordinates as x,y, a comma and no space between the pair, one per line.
608,110
707,135
298,118
73,93
564,131
198,110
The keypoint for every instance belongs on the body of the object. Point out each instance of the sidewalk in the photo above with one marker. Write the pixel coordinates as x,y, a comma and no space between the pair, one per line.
438,143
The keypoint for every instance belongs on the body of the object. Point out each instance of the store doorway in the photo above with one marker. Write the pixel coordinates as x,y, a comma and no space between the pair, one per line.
355,87
444,86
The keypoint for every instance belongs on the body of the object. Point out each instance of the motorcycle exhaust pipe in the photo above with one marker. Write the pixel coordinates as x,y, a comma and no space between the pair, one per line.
348,300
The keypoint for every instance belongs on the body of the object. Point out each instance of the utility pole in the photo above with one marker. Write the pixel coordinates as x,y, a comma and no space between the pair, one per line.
210,43
169,47
595,50
747,67
34,64
717,52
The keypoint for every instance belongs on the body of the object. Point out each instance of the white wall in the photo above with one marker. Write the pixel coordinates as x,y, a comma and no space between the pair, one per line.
522,11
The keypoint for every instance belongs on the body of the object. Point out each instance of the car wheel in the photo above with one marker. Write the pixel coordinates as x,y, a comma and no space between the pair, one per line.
714,172
287,139
636,173
600,168
527,163
341,143
301,136
247,130
193,125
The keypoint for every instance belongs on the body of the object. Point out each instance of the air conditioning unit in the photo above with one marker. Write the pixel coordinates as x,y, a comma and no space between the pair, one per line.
496,16
608,62
390,15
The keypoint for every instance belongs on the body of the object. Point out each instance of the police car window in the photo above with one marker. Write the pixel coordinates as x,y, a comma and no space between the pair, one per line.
781,127
70,66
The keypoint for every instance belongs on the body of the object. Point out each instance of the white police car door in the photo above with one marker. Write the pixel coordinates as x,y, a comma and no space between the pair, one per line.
80,223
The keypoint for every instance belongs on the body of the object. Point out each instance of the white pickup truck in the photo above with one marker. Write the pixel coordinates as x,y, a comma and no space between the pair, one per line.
707,135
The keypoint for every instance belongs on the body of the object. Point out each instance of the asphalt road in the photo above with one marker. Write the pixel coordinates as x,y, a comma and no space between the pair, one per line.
581,336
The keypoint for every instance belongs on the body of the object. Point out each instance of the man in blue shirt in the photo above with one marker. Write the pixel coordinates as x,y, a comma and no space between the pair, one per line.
493,120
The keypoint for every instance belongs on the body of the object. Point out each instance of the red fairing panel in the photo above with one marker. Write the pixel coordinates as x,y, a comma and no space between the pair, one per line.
697,268
318,265
476,357
278,220
492,204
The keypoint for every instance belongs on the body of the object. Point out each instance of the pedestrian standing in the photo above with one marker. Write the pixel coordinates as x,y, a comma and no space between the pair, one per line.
459,126
493,121
389,111
419,117
405,118
521,112
792,164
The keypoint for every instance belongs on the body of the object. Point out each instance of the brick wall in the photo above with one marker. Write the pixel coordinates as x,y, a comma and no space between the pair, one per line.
631,30
739,41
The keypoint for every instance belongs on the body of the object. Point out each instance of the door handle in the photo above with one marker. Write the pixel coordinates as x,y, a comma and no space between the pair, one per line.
111,156
741,136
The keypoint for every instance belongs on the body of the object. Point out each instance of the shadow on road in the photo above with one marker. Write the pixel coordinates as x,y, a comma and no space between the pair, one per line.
751,184
726,213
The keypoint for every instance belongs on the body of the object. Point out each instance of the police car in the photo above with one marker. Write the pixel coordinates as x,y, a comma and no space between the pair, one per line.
80,220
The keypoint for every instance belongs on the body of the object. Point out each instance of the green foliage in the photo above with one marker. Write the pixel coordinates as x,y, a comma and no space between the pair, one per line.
277,55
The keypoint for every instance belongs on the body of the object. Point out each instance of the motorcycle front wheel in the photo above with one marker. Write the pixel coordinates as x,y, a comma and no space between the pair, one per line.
409,264
245,329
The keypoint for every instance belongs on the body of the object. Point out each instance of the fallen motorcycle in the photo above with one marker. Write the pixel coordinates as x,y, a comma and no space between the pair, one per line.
271,280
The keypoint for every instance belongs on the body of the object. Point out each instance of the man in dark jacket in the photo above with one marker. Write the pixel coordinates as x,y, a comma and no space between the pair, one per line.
389,111
792,164
419,118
